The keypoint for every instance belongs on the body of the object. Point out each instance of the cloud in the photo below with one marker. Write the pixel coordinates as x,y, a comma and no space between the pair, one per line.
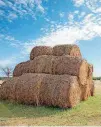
41,9
10,40
2,3
20,8
70,33
71,16
78,2
61,14
12,16
7,62
94,5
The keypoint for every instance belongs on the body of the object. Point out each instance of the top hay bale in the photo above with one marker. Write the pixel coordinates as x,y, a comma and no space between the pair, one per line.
72,50
59,50
40,50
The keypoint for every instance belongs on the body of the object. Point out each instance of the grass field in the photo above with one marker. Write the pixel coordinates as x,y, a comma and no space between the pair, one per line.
86,113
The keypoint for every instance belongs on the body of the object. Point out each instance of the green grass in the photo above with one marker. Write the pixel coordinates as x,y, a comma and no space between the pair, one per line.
96,78
86,113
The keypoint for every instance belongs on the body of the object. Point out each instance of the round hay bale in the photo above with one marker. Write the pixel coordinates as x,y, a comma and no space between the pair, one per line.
21,68
92,89
43,89
72,66
28,88
60,90
8,89
62,65
41,50
85,92
43,64
90,79
88,90
72,50
24,67
55,65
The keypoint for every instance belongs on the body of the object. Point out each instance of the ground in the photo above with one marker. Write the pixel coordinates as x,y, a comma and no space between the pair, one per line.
86,113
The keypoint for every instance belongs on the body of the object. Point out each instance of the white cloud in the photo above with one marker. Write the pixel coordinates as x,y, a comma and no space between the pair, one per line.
76,12
10,40
47,19
94,5
2,3
61,14
78,2
71,16
7,62
12,16
41,9
71,33
21,8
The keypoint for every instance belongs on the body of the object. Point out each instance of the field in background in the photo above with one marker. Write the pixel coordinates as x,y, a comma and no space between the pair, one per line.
96,78
86,113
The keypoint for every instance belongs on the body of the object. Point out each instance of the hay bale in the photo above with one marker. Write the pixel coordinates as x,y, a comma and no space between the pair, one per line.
21,68
72,66
28,88
24,67
72,50
8,89
55,65
43,64
40,50
43,89
60,90
92,89
85,92
23,89
62,65
88,90
90,79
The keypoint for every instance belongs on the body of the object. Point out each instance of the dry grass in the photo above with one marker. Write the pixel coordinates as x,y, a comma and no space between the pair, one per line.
86,113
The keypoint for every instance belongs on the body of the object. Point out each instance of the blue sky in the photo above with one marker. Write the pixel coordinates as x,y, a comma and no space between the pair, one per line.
27,23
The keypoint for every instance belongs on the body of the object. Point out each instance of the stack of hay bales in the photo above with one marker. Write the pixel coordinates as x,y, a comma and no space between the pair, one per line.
57,76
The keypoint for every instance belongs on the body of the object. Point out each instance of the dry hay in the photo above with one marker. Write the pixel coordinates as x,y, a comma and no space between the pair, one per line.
40,50
62,65
92,89
90,79
43,64
72,50
24,67
43,89
72,66
60,90
56,65
85,92
21,68
8,89
88,90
